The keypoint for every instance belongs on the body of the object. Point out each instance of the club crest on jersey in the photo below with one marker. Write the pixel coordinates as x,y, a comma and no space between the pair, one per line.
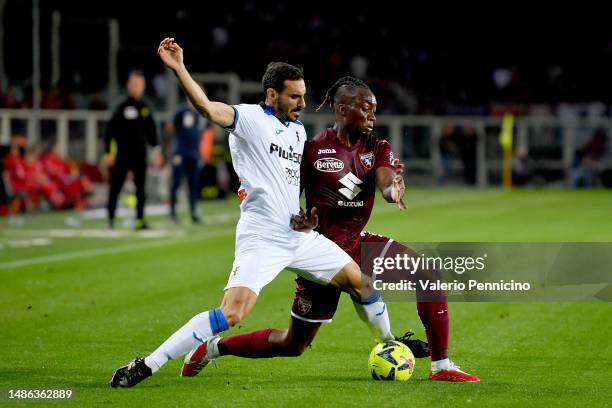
304,305
329,165
367,159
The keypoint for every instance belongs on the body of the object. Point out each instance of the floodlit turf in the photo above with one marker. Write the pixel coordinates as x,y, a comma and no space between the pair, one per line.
73,309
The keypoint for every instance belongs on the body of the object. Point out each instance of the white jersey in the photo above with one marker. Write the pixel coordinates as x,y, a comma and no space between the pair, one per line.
266,155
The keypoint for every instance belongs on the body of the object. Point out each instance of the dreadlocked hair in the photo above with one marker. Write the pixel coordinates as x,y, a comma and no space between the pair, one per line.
347,81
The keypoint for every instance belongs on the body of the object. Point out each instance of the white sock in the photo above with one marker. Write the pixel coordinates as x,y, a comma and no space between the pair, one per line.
213,349
191,335
376,317
440,365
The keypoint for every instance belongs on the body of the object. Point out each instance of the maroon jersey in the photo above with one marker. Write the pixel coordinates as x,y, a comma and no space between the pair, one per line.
341,182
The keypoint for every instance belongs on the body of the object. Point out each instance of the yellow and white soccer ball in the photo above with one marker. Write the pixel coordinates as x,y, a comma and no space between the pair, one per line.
391,361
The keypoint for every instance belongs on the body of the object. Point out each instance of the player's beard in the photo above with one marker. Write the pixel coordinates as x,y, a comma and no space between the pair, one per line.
361,133
285,110
365,133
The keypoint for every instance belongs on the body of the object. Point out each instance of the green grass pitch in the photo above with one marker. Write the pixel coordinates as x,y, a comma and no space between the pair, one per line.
74,308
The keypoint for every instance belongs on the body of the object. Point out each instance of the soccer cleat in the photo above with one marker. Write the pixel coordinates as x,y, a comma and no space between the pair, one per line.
419,348
131,374
197,359
453,374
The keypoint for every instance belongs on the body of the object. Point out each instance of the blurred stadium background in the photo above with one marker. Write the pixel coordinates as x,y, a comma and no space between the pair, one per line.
444,83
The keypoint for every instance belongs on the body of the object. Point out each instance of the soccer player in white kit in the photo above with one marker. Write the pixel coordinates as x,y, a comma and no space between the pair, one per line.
266,143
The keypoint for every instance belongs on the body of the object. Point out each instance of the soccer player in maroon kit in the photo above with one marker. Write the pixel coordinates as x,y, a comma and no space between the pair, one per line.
341,169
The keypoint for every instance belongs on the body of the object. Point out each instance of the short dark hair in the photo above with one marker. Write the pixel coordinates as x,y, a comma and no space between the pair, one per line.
277,73
135,72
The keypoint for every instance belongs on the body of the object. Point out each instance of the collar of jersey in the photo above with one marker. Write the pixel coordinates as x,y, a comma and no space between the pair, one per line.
334,137
270,111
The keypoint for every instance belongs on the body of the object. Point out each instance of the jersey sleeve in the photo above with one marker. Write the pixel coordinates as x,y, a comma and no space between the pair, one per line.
245,117
384,155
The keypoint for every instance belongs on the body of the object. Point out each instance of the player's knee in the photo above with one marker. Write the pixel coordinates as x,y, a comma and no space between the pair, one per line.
237,304
233,316
363,288
234,313
367,287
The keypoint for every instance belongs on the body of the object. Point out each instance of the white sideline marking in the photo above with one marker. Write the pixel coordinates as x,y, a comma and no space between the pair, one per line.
113,250
26,243
95,233
100,233
123,212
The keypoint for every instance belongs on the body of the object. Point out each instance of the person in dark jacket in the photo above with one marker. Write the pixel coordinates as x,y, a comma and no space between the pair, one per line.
128,133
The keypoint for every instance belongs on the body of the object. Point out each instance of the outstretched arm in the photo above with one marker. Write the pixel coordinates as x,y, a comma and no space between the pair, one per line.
391,183
172,55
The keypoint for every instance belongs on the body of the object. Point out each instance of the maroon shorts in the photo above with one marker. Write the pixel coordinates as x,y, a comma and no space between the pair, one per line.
317,303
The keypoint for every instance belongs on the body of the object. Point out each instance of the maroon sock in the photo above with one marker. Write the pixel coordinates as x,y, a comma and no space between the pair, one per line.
434,316
251,345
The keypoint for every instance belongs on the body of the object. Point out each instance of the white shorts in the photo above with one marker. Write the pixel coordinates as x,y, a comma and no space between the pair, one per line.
259,260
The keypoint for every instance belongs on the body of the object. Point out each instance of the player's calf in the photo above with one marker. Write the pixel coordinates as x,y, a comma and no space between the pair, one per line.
287,343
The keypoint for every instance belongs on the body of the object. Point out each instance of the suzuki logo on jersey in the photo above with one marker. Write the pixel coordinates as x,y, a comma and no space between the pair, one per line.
351,186
350,203
283,154
326,151
329,165
367,159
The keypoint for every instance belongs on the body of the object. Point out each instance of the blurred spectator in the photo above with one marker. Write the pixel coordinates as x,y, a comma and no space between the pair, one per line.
57,98
588,161
10,99
27,179
5,194
39,184
65,174
359,66
98,103
458,141
160,86
187,127
15,172
448,151
467,139
522,167
220,37
35,179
